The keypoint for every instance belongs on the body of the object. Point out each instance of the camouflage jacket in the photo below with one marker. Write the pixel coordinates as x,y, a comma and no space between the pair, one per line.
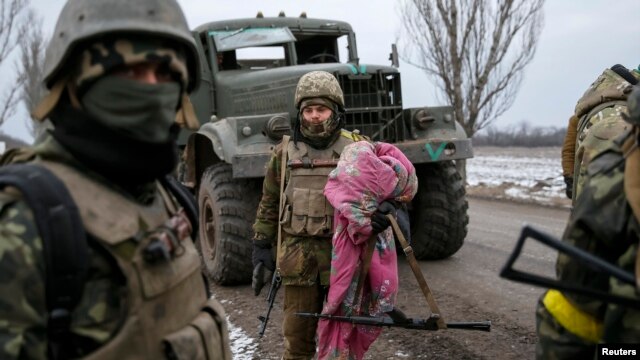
603,223
23,314
599,122
312,256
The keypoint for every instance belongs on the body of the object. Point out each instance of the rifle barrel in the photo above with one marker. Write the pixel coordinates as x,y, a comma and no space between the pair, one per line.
473,325
413,324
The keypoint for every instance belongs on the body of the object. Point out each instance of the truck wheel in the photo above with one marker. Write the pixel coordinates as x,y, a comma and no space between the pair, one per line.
439,216
227,211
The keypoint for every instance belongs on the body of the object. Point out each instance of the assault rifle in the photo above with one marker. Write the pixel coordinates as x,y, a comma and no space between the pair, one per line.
276,280
585,257
414,324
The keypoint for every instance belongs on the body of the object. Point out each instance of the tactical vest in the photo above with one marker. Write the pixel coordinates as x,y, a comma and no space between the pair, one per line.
306,210
168,314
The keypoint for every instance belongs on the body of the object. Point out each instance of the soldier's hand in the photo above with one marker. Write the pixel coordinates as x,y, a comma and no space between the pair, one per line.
379,220
263,265
568,180
261,277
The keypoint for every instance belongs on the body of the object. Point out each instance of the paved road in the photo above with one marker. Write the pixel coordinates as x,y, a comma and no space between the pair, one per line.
466,286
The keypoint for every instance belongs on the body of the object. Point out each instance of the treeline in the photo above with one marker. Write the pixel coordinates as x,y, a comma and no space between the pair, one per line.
523,134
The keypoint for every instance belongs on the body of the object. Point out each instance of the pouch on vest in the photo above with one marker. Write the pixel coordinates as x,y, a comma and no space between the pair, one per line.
204,338
311,213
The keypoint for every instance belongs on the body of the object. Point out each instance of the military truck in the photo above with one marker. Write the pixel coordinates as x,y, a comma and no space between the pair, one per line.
246,104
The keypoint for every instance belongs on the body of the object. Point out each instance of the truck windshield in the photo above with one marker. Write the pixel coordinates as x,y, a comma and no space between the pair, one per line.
250,37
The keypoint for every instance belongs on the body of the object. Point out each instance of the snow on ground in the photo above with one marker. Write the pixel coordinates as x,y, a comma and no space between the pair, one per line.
526,174
243,346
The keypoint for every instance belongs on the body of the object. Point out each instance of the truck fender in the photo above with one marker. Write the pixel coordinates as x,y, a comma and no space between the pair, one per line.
205,148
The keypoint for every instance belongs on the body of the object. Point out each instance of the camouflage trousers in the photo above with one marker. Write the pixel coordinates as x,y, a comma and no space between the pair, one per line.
555,342
300,333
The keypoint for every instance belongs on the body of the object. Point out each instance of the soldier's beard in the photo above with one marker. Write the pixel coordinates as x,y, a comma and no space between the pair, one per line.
319,135
319,130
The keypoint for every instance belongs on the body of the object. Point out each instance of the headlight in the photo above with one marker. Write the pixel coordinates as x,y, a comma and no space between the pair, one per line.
422,119
277,127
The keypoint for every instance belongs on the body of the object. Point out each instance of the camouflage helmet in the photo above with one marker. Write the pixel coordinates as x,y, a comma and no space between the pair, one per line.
633,102
83,20
319,84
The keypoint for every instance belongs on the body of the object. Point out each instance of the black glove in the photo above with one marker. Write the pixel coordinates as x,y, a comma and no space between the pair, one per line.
379,220
568,180
262,255
263,266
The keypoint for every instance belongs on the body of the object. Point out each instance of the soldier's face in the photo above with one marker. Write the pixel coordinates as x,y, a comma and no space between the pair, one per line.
146,72
316,114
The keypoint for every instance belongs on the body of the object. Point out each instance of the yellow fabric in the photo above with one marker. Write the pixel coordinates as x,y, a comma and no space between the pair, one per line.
571,318
353,136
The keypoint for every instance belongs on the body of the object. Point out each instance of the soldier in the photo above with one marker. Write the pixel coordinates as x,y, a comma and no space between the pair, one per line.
119,72
304,254
605,222
595,123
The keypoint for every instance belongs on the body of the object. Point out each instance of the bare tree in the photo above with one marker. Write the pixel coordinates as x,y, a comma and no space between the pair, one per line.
12,29
476,50
31,68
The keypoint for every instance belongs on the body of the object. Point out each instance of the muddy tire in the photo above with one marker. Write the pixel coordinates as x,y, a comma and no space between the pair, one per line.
439,212
227,211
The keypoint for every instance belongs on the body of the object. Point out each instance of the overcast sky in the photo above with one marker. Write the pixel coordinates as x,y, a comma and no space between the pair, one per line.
579,40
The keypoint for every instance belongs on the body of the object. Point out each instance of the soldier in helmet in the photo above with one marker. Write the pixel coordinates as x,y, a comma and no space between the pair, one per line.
596,123
304,252
118,72
606,222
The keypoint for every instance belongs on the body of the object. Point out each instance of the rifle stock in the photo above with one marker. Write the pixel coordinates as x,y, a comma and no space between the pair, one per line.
509,272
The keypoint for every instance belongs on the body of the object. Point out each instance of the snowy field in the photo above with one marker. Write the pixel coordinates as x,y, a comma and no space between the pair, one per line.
519,174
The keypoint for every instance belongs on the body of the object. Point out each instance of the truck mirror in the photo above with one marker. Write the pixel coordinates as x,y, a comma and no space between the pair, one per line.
394,56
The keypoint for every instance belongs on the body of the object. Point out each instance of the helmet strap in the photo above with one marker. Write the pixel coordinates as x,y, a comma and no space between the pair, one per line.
49,102
72,91
186,115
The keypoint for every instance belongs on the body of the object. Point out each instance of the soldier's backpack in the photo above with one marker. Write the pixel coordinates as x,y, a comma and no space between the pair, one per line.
64,241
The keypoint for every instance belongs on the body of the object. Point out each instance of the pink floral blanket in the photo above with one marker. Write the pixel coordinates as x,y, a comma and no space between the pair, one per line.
366,175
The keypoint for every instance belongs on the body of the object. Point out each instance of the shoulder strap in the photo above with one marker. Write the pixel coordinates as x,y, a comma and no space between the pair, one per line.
417,272
185,199
64,243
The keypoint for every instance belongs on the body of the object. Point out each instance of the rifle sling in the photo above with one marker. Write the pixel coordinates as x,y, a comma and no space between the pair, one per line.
64,247
283,169
408,251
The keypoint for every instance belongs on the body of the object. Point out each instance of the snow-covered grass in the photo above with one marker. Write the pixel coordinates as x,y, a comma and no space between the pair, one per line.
532,174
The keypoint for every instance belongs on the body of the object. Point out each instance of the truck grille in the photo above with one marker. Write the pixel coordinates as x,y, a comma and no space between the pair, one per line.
373,105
